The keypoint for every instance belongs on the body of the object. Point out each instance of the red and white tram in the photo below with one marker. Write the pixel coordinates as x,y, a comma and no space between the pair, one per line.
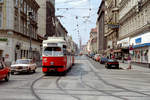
55,56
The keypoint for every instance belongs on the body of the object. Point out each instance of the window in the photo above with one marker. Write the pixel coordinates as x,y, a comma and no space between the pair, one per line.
16,3
21,5
1,17
25,7
1,1
53,51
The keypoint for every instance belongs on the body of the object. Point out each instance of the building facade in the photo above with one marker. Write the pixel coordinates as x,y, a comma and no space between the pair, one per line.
46,18
71,45
93,41
18,30
134,18
101,40
60,29
111,24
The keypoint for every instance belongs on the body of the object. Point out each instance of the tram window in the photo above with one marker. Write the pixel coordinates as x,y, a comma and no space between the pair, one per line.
52,49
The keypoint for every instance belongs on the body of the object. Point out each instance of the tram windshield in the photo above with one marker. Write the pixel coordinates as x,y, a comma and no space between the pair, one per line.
53,51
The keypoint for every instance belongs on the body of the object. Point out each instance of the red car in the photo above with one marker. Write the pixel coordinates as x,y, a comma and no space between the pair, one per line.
4,71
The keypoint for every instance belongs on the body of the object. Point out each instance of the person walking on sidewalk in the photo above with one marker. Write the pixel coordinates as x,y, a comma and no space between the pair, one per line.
129,61
113,56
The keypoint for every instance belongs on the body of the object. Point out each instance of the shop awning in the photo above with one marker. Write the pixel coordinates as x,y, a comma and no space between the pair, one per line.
141,45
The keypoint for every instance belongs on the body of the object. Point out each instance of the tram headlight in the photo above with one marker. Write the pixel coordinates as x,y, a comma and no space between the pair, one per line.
45,60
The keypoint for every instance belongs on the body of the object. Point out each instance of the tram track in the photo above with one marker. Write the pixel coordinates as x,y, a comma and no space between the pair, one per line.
58,85
33,89
115,86
98,90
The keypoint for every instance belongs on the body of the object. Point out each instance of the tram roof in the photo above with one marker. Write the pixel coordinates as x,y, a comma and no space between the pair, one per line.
55,40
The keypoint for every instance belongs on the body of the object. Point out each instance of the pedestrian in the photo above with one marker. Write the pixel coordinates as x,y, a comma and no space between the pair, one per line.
113,56
129,62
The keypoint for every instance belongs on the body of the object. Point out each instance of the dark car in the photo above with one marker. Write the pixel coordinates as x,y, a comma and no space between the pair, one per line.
103,60
4,71
112,63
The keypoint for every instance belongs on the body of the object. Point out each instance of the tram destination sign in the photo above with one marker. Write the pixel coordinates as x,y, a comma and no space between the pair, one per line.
52,44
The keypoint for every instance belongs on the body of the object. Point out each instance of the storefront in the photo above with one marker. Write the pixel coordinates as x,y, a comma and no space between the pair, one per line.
141,48
14,48
123,49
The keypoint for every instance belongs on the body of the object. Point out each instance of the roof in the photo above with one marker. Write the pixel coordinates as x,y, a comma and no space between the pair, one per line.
94,30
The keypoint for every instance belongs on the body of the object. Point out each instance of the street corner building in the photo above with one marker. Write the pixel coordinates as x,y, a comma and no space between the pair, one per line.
134,30
18,29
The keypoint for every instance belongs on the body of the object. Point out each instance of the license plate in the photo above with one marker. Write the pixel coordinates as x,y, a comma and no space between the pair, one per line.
113,66
19,70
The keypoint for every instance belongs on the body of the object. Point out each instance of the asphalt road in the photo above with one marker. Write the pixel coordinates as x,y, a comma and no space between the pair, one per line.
87,80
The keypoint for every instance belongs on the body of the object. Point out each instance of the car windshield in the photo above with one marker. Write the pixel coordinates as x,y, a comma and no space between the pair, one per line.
23,61
1,66
112,60
52,51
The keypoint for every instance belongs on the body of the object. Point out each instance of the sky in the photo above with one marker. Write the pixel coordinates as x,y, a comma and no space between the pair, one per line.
79,16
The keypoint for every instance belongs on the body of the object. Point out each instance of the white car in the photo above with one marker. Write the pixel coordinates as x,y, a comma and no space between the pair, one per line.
23,65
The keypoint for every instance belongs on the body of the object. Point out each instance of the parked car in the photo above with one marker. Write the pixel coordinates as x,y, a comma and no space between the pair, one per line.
103,60
4,71
23,65
91,55
97,57
112,63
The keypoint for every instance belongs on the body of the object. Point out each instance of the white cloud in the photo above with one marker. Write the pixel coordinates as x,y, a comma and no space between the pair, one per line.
71,2
78,2
60,1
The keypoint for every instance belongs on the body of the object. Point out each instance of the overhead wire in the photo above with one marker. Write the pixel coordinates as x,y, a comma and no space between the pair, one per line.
84,20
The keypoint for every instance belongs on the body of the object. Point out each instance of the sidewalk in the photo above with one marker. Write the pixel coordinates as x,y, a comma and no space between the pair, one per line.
134,67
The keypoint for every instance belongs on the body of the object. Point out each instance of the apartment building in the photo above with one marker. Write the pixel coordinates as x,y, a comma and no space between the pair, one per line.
134,18
46,18
17,28
111,24
60,29
101,40
93,40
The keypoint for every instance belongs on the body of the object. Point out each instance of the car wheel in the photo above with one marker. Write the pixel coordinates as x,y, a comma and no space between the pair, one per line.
117,67
28,71
7,77
34,71
12,73
106,66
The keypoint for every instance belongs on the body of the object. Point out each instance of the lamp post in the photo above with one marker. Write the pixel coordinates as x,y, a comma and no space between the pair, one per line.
29,22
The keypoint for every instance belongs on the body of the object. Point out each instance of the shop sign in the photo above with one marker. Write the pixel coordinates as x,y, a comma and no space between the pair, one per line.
124,42
113,26
138,40
4,39
141,39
